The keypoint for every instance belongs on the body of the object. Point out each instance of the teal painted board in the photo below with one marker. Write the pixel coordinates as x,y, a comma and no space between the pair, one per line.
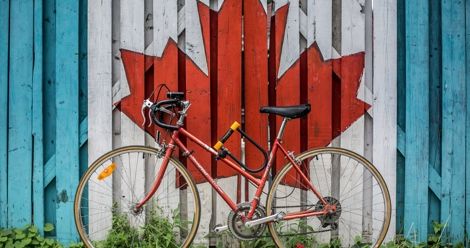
401,101
19,113
38,154
4,26
49,113
467,79
417,140
435,105
67,107
453,119
83,67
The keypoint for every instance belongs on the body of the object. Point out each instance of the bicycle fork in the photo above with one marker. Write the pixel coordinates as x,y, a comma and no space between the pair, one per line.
160,175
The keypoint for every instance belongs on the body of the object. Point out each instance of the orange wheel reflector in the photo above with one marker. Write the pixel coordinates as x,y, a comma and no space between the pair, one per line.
107,172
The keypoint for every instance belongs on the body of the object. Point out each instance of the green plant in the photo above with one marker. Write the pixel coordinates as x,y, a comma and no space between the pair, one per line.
156,232
26,237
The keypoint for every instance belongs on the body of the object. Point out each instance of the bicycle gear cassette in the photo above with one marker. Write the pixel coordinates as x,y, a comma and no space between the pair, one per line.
236,222
330,219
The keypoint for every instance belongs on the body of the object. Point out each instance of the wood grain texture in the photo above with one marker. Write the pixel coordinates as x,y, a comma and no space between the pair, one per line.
229,76
385,96
67,132
37,128
415,223
255,67
99,103
467,80
287,85
20,101
198,86
4,44
453,121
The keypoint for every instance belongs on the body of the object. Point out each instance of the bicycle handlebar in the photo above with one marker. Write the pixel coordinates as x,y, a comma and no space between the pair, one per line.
160,107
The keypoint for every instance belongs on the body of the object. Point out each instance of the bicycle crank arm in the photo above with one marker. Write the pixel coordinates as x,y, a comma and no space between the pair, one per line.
271,218
219,228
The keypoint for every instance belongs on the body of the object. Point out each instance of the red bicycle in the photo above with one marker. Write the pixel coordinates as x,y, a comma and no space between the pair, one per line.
140,196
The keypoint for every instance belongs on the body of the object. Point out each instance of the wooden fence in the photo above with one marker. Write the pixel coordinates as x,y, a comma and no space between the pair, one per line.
231,57
433,118
43,111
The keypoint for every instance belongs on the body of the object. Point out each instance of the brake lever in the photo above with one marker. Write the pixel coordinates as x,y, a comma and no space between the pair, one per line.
146,104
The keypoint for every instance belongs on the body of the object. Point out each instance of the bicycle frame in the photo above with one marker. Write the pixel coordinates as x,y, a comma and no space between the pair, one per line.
260,183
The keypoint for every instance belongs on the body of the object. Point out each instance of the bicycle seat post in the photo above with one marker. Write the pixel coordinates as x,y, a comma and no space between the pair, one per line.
282,128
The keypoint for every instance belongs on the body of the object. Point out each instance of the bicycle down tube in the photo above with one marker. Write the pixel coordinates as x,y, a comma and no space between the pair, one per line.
259,183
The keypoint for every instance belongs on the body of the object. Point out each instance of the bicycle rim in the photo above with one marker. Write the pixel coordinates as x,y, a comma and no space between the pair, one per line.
104,207
344,179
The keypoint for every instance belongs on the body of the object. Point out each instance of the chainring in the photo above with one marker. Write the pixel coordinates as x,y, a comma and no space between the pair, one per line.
236,223
330,219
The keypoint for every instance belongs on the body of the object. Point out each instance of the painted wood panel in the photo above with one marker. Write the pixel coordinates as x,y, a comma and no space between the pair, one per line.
100,102
46,119
453,121
255,81
385,95
4,44
20,125
37,110
220,59
416,136
67,115
432,121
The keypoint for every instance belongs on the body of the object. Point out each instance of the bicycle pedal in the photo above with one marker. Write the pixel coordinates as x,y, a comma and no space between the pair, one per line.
219,228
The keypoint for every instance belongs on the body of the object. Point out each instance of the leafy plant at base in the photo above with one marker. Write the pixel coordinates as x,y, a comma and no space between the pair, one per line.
26,237
156,232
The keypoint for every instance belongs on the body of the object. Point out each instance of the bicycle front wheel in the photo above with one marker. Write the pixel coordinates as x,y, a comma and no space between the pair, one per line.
106,199
343,179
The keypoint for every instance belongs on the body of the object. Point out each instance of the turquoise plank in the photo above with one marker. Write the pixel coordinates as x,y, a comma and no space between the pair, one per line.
417,120
401,101
67,107
467,185
453,119
38,169
49,113
19,113
435,109
4,24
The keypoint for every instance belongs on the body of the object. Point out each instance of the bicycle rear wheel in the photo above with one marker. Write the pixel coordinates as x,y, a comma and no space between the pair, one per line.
344,179
106,198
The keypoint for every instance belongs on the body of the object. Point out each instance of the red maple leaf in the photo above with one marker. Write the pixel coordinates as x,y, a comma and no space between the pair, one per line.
344,77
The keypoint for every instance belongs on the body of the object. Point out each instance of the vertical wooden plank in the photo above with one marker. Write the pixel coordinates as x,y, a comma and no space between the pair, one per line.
435,104
352,27
67,131
320,26
255,76
417,111
4,46
20,125
38,154
165,33
320,85
401,72
132,38
197,38
228,81
49,114
100,136
467,79
453,121
352,43
385,96
288,72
